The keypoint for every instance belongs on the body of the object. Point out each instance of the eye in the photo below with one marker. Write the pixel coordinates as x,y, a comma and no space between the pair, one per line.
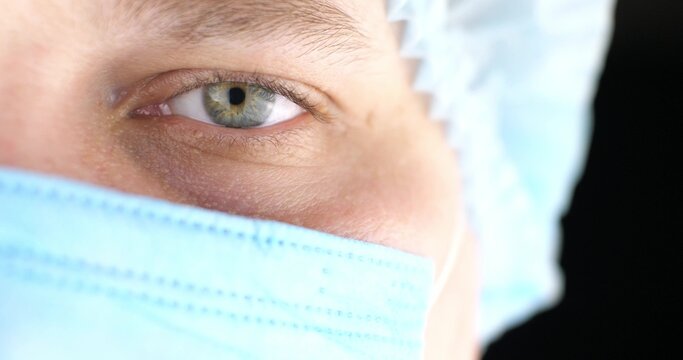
234,105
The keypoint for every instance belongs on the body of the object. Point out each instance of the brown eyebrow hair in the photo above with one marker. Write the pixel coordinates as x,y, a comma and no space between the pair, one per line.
316,25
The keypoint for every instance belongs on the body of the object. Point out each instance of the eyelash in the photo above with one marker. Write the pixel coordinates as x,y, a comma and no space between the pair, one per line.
195,79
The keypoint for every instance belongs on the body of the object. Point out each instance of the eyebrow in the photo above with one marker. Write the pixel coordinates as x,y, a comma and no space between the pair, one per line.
315,25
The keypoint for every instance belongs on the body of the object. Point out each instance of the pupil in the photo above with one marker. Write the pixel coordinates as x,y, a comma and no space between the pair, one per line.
236,96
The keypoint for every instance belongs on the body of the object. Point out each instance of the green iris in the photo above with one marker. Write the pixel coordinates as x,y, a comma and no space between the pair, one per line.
238,105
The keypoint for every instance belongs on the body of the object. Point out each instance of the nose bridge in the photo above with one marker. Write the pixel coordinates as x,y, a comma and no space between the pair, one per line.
42,94
44,49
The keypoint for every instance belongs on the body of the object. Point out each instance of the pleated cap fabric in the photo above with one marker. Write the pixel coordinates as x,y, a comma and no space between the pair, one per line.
512,81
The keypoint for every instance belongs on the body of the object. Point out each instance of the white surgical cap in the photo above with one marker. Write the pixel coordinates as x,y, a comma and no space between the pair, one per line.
513,80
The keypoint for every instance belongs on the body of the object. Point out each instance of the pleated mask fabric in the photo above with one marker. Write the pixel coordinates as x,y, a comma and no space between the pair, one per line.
91,273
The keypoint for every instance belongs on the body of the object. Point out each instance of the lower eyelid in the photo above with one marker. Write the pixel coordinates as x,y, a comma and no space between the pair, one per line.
272,146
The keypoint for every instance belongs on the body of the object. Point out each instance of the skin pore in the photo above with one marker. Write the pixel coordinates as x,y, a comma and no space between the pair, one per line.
364,161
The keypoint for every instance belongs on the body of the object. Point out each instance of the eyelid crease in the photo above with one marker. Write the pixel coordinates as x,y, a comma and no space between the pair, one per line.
188,79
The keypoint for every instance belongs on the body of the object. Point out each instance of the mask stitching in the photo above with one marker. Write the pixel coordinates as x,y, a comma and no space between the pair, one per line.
110,271
163,302
52,193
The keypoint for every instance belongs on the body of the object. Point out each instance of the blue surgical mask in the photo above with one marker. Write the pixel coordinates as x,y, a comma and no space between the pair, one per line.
90,273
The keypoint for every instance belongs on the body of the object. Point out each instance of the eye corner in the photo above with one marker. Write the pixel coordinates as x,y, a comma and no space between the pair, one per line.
155,110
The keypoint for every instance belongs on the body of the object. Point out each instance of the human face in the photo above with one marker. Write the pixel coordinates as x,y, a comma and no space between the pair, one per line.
88,91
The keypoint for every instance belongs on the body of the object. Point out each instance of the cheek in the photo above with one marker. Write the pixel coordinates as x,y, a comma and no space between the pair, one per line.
410,211
402,192
395,187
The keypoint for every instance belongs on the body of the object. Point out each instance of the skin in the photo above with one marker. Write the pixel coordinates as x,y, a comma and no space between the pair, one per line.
375,169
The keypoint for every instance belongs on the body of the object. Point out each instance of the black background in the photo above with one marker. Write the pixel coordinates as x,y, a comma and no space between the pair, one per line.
621,245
